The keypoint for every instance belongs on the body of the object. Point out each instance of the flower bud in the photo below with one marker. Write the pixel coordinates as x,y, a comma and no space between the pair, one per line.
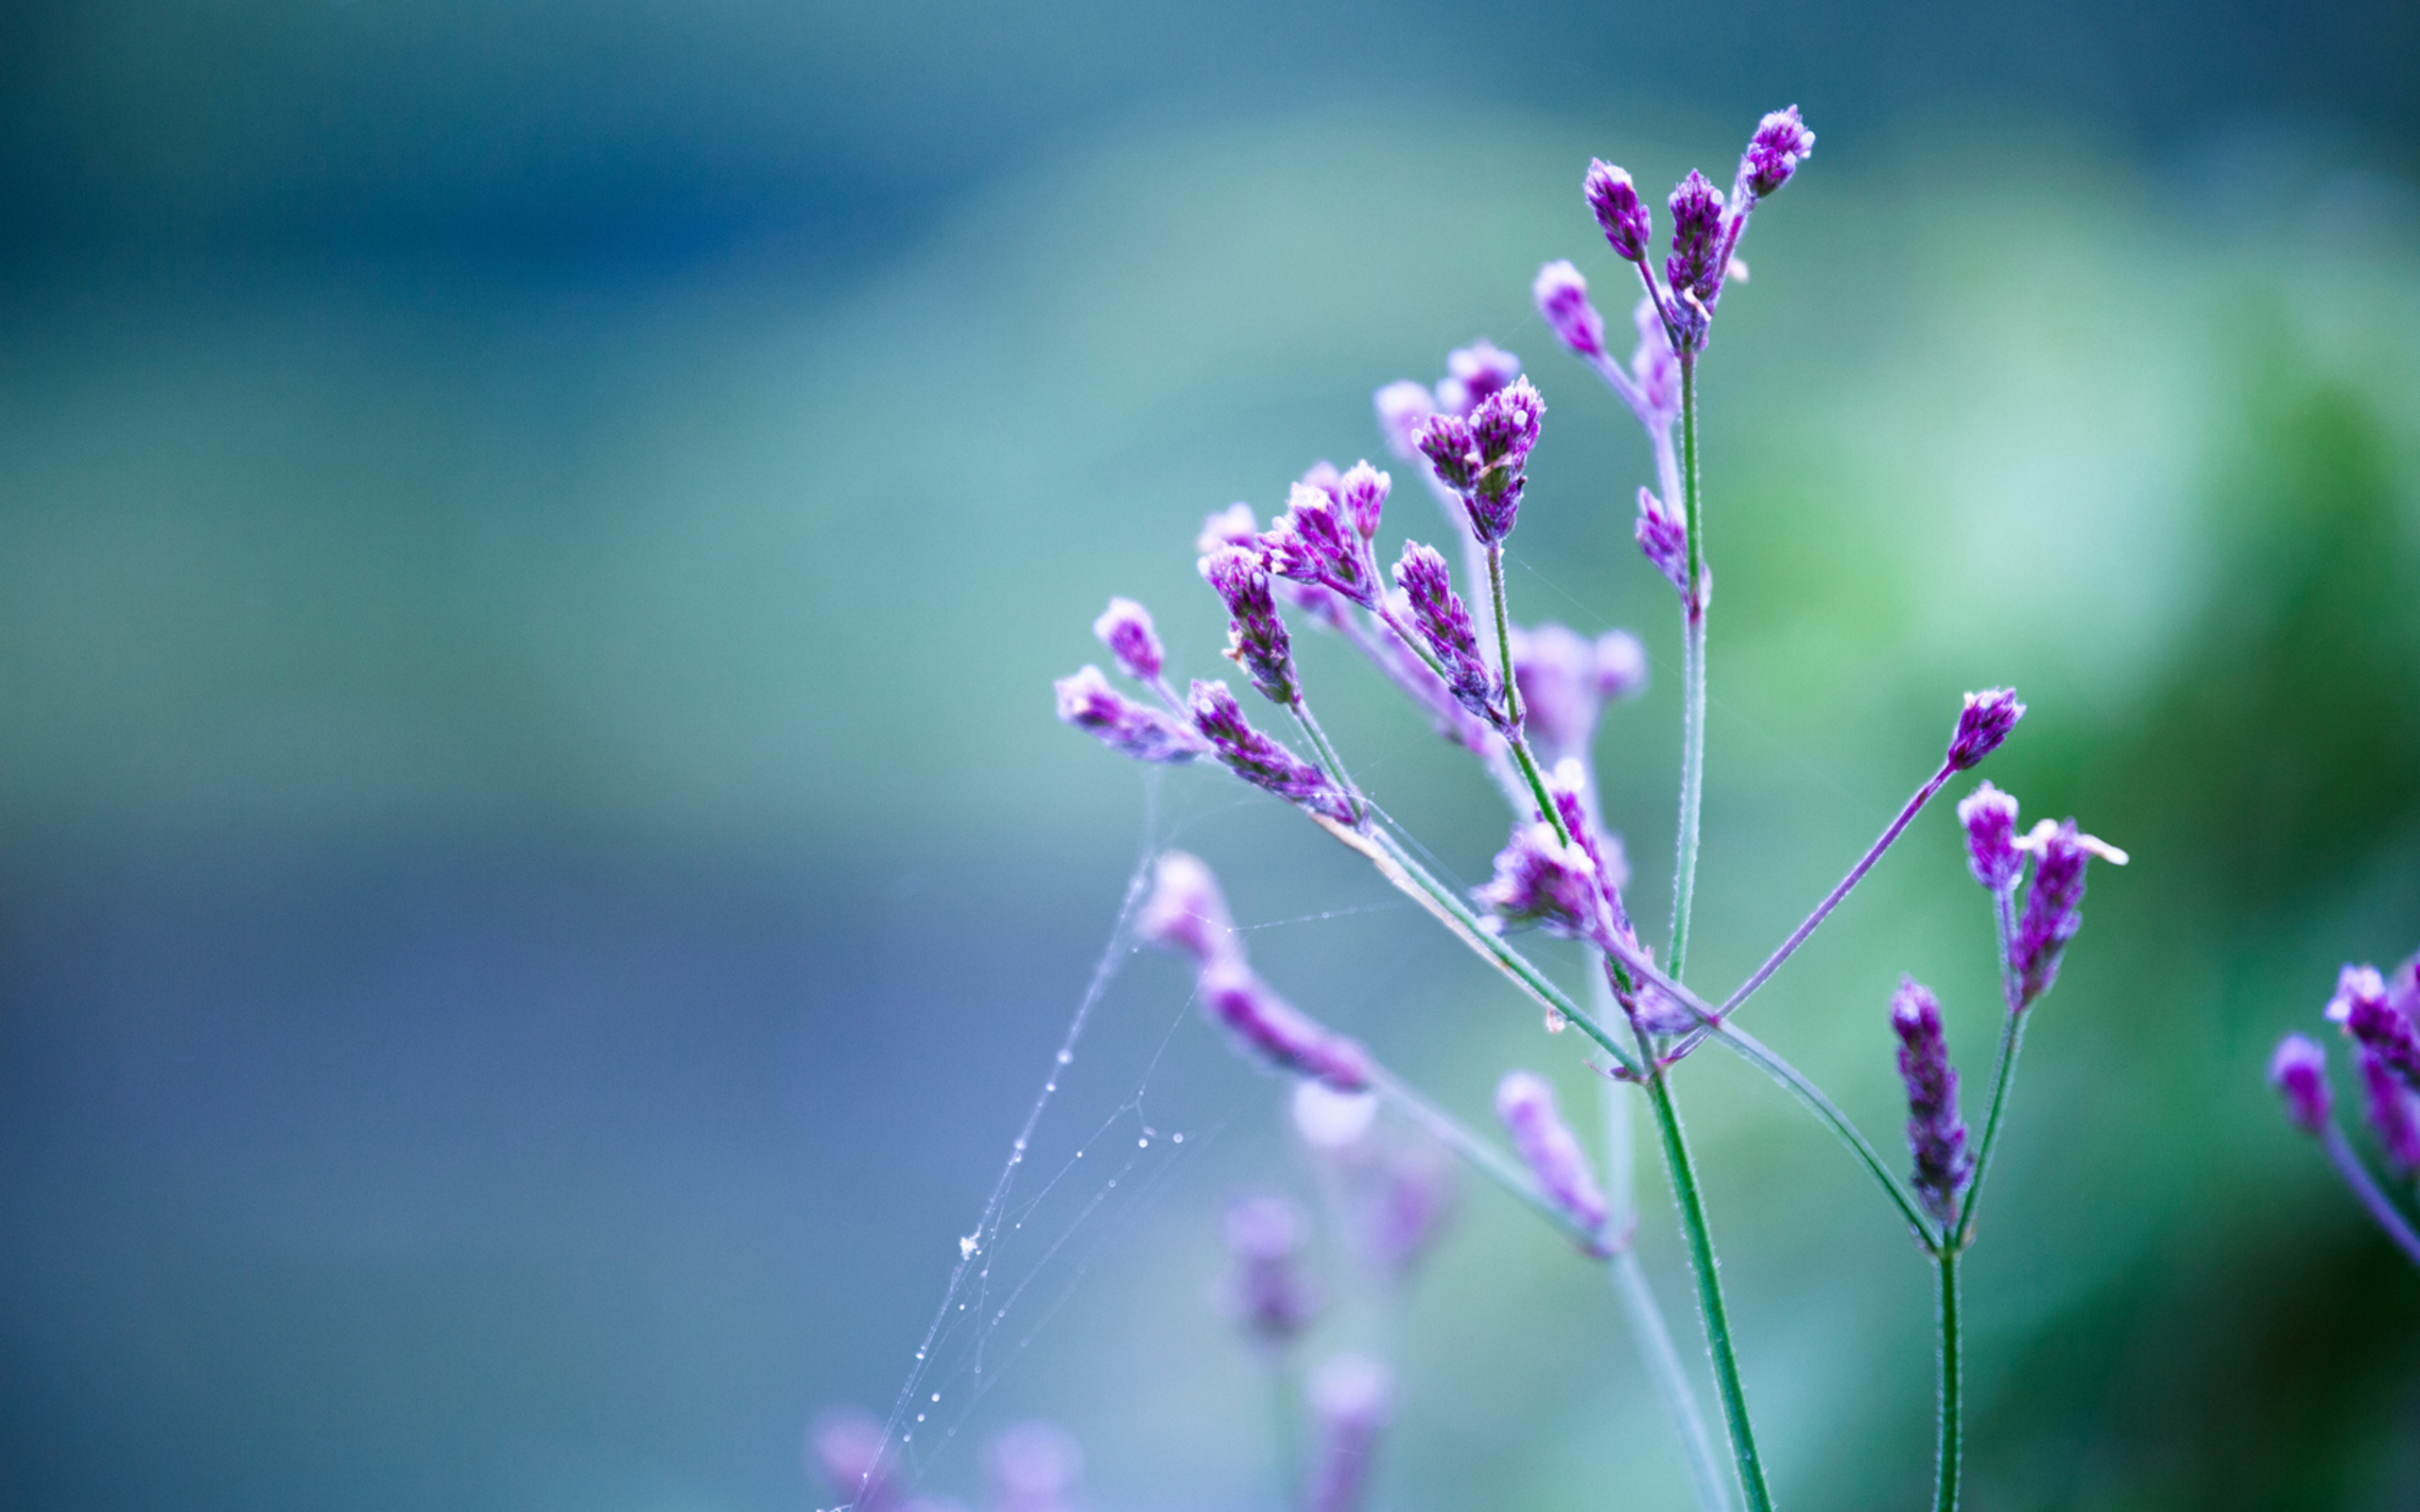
2363,1008
1982,724
1362,490
1989,816
1541,880
1562,297
2299,1072
2053,902
1664,540
1936,1134
1404,408
1313,541
2394,1109
1088,702
1260,761
1185,911
1781,142
1472,374
1525,1104
1349,1400
1623,216
1445,439
1256,638
1278,1033
1125,628
1696,263
1444,622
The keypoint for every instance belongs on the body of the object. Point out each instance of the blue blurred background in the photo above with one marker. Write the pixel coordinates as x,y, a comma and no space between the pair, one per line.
537,878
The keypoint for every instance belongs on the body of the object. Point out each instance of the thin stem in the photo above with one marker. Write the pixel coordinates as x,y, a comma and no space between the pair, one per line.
1717,1324
1519,745
1663,1362
1684,861
1328,757
2003,1075
2357,1178
1754,1053
1481,1157
1285,1428
1953,1369
1832,899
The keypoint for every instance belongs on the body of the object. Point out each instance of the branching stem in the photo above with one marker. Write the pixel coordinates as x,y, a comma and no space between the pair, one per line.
1953,1370
1693,606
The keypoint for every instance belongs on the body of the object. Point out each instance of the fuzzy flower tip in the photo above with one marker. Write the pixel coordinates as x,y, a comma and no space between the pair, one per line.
1696,263
2363,1008
2299,1072
1125,628
1033,1466
1363,491
1936,1134
2054,902
1619,211
1350,1398
1256,638
1781,142
1088,702
1267,1291
1982,724
1525,1104
1541,880
1279,1032
1187,912
1260,761
1318,541
1490,470
1562,297
1989,817
1444,624
1663,539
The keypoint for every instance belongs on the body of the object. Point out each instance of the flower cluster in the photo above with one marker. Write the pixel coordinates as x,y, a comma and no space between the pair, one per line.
2380,1014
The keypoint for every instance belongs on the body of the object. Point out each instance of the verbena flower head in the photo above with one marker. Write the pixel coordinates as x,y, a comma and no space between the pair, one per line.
2394,1109
1541,880
1936,1135
1525,1104
1623,216
1781,142
1566,785
1989,817
1256,638
1473,373
1664,538
1446,441
1363,491
1186,911
1316,541
1034,1467
1258,760
1276,1032
1088,702
1444,622
1982,724
1695,265
1566,680
1503,430
2054,902
1562,297
1268,1295
1404,408
2363,1009
1350,1398
1125,628
2299,1072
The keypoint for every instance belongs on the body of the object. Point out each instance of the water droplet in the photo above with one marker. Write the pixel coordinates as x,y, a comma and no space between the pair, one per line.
1178,1138
1066,1055
937,1396
920,1416
1142,1144
1050,1087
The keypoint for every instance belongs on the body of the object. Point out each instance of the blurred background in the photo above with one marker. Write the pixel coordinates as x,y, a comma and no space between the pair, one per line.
538,881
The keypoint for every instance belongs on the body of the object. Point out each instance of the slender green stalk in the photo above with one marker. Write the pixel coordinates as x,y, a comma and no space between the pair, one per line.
1754,1052
1953,1370
1328,757
2003,1077
1512,735
1717,1324
1684,861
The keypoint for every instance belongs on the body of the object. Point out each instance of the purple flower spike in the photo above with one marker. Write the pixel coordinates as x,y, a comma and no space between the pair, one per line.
1562,297
2299,1072
1621,666
1350,1398
2395,1111
1362,490
2054,903
1444,622
1257,639
1663,537
1187,912
1314,542
1260,761
1624,218
1125,628
1989,816
1088,702
1541,880
2363,1009
1505,425
1696,262
1279,1032
1267,1291
1525,1104
1781,144
1986,720
1034,1468
1446,441
1473,373
1935,1132
1404,408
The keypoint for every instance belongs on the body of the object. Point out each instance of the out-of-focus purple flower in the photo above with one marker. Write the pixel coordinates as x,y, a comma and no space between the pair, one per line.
1403,1206
1781,142
1404,407
1654,365
1314,542
1438,613
1187,912
1260,761
1664,538
1125,628
1696,263
1541,880
1445,439
2299,1072
1267,1293
1400,662
1565,680
847,1449
1473,373
1935,1132
1034,1468
2403,989
1525,1104
1231,526
1088,702
2394,1109
1363,491
2053,902
1256,638
1621,666
1982,724
1279,1032
1349,1400
1562,297
1989,816
1623,216
2363,1009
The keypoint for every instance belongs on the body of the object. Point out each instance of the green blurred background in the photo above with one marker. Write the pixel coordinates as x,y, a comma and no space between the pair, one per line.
537,878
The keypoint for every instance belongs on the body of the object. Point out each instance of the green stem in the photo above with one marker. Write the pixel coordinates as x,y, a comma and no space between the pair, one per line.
1952,1373
1684,861
1327,756
1749,1049
1717,1326
1513,734
2004,1075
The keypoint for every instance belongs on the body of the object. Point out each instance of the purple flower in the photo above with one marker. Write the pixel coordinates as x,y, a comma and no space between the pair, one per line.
2299,1072
1562,297
1349,1398
1231,526
1624,218
1472,374
1781,142
2053,904
1268,1295
1257,639
1444,622
1402,1205
1982,724
1034,1468
2363,1008
1125,628
1279,1032
1187,912
1621,666
2394,1109
1606,858
1935,1132
1088,702
1503,430
1541,880
1565,680
1314,542
1362,490
1696,262
1664,538
1260,761
1525,1104
1989,816
1446,441
1404,408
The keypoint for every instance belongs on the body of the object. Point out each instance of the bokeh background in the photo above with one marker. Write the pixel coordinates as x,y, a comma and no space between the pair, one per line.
538,882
